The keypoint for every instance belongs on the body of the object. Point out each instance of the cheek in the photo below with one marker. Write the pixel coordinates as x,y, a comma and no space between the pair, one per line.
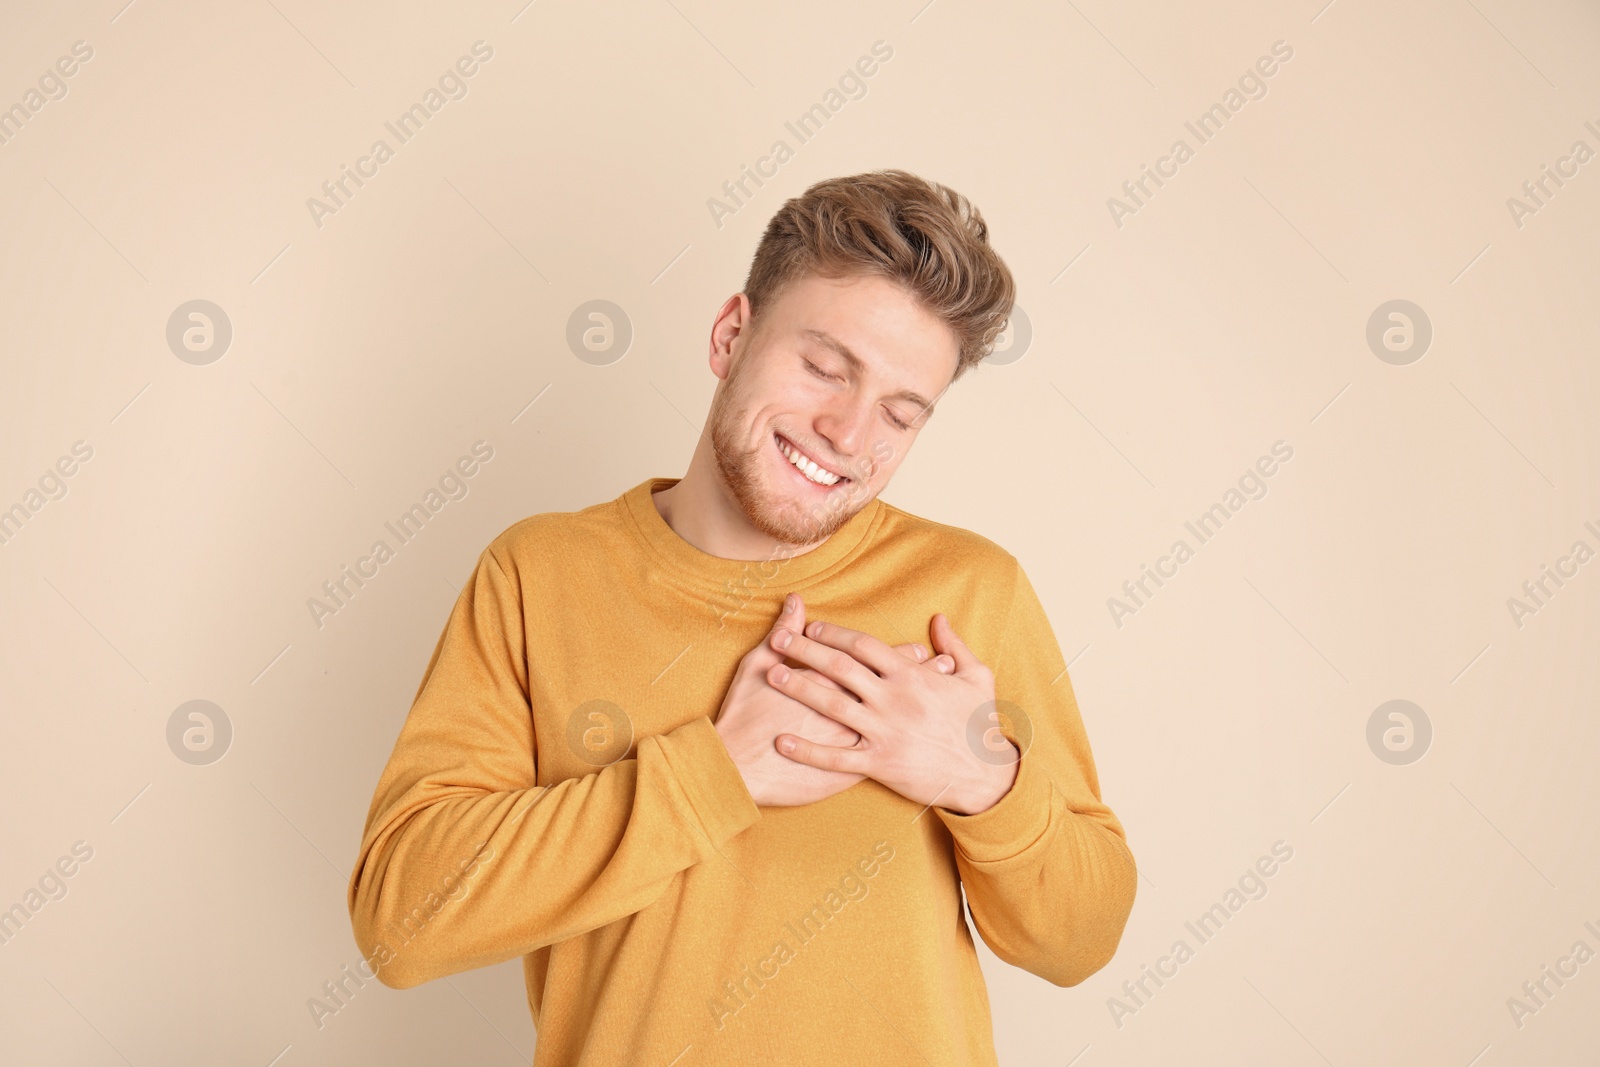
885,456
796,393
891,446
809,390
798,402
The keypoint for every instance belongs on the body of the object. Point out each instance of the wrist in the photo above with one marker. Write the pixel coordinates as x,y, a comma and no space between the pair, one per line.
988,791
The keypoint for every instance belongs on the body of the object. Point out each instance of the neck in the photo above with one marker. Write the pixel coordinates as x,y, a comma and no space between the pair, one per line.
703,511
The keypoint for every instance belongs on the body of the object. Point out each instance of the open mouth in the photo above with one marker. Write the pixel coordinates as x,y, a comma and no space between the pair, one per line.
806,467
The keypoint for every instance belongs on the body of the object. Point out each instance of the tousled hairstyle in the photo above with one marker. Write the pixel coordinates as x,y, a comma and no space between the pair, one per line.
924,236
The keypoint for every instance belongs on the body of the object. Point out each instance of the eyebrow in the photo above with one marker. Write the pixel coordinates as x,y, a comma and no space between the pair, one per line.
828,341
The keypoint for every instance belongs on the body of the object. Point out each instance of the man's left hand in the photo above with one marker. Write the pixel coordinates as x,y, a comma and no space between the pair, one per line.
912,717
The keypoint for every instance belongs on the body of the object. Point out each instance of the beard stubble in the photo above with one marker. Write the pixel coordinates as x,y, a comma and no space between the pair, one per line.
744,472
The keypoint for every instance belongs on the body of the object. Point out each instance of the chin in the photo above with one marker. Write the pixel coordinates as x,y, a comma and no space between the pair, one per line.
799,518
785,505
805,501
793,504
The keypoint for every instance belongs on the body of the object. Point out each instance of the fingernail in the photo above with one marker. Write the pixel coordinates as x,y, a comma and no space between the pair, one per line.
781,639
922,653
790,602
780,674
785,744
814,629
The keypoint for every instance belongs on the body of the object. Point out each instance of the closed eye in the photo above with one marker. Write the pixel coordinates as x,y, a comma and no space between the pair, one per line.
818,371
894,420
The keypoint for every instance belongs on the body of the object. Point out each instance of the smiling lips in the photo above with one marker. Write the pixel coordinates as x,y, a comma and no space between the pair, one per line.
807,466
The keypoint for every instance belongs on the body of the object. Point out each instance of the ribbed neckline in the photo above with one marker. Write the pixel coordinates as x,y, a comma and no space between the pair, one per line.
703,569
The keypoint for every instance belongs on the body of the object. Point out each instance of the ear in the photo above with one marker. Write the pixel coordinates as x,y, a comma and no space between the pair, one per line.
733,321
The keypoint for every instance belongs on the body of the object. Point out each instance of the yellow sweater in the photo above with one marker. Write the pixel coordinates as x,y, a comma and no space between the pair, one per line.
558,793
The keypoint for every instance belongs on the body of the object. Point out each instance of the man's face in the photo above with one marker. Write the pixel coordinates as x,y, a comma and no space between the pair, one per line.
837,373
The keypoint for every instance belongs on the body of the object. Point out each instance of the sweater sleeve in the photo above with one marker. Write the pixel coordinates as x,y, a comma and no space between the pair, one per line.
1048,875
465,861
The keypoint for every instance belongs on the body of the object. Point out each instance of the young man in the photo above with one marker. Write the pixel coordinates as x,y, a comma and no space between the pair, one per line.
683,752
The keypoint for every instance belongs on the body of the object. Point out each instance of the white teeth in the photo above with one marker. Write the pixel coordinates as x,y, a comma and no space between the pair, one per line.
808,467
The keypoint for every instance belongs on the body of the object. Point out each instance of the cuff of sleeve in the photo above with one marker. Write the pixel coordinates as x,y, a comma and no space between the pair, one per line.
710,779
1014,824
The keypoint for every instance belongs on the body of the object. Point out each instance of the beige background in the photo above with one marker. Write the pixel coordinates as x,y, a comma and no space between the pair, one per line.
1167,354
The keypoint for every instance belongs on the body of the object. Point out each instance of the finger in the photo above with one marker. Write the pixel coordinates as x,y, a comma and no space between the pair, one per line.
791,619
823,757
824,680
836,664
862,647
914,651
791,614
804,687
948,644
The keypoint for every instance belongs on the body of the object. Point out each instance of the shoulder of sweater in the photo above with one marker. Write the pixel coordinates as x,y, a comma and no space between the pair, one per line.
953,544
555,533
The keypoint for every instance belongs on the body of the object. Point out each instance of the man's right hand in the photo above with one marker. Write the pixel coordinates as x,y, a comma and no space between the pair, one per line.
753,714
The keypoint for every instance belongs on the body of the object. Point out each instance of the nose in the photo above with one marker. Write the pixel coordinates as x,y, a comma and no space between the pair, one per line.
844,425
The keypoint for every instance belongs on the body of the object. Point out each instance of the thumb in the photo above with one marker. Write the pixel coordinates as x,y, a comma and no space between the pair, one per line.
791,614
791,617
948,644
